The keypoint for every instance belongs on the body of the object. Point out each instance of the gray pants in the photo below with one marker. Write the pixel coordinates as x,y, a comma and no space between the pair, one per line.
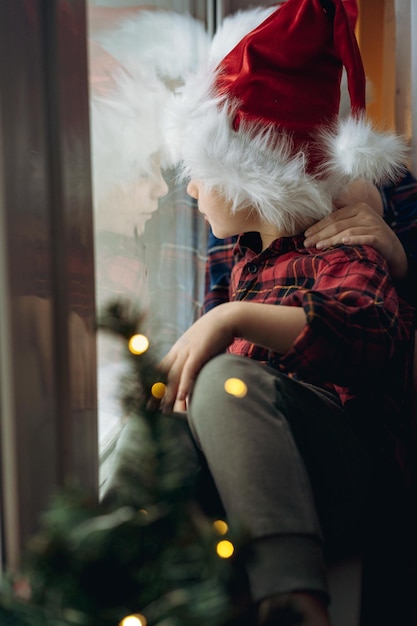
287,466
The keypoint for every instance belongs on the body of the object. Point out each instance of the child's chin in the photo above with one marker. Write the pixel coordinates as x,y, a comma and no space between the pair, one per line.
221,233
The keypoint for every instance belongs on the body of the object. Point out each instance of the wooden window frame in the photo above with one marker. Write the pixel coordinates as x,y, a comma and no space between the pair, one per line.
47,331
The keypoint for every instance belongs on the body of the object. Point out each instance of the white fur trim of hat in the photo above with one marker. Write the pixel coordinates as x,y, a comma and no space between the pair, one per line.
154,52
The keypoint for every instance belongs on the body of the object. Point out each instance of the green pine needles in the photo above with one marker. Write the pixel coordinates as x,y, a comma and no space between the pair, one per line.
147,552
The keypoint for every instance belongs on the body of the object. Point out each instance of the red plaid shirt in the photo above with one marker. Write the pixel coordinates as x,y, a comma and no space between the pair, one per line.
358,339
400,213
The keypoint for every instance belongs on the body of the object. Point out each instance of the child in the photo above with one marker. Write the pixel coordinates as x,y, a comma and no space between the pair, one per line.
294,436
384,217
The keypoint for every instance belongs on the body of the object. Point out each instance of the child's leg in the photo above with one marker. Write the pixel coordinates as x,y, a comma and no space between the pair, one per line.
249,443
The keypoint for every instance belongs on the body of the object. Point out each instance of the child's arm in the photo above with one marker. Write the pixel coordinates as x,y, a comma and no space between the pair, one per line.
360,221
273,327
340,330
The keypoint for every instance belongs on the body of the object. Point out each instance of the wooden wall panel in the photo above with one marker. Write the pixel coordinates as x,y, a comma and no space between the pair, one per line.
47,369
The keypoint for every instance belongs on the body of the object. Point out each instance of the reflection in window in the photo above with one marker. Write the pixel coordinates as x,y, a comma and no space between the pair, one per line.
150,240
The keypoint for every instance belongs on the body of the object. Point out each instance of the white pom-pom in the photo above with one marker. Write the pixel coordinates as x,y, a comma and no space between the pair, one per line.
356,150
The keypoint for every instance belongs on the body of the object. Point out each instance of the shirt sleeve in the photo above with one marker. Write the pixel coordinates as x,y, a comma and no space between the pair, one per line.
400,213
219,264
355,321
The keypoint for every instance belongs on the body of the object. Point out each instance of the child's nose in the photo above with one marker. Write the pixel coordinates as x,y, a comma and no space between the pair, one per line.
192,190
159,187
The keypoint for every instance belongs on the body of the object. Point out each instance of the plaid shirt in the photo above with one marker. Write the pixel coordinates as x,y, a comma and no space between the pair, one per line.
355,321
358,339
400,213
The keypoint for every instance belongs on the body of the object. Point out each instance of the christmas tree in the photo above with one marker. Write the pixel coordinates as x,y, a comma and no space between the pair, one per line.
147,553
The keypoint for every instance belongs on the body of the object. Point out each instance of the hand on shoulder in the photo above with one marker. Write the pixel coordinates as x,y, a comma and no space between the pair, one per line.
357,220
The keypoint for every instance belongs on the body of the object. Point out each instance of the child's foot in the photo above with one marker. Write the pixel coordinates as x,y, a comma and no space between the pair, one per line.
293,609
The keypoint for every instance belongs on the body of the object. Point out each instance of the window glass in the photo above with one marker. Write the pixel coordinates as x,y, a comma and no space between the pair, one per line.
150,240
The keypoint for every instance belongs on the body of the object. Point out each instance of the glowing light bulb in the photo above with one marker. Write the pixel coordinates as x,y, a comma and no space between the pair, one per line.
138,344
236,387
133,620
158,390
220,527
225,549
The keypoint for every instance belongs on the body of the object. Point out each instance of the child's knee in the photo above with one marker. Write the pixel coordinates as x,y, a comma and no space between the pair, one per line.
222,368
210,383
211,399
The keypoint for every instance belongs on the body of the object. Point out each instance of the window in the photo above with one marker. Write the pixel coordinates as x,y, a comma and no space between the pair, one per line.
150,239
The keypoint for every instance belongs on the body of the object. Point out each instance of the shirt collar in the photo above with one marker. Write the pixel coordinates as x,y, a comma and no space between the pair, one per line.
250,243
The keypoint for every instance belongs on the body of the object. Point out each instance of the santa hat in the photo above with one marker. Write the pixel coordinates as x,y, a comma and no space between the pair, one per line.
351,8
133,70
172,44
262,125
126,131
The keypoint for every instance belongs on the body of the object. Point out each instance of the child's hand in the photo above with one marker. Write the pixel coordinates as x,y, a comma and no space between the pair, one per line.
273,327
358,223
207,337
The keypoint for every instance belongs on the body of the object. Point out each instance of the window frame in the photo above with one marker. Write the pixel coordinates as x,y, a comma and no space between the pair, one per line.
45,177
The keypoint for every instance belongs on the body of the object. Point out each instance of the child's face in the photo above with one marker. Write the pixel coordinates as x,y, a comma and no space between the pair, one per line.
127,209
217,212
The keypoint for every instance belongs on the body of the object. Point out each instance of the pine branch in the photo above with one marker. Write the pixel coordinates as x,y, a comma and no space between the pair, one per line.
147,547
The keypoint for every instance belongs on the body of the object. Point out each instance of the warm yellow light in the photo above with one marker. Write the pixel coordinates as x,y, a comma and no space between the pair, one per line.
220,527
138,344
133,620
158,390
236,387
225,549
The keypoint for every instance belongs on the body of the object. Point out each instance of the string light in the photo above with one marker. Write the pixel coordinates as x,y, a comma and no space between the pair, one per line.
133,620
225,549
220,527
236,387
158,390
138,344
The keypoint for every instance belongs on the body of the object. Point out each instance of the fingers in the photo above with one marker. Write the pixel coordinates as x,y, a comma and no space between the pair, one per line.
352,236
173,371
342,226
182,370
180,406
328,233
331,224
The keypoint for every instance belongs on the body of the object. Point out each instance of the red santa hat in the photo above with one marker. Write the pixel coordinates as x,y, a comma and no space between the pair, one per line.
262,125
351,7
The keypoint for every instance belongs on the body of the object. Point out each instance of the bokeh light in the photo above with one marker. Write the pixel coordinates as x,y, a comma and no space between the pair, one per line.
236,387
133,620
225,549
158,390
220,527
138,344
